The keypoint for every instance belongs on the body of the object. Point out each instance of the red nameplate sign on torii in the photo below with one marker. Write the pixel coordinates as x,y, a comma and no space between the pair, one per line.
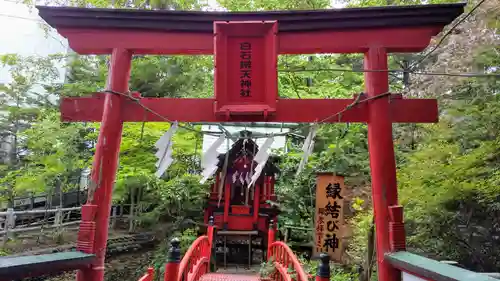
246,68
245,55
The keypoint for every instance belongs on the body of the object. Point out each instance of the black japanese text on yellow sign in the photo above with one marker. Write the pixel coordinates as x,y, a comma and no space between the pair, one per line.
329,218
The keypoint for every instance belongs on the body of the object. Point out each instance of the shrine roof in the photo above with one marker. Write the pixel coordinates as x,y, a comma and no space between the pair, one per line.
289,21
250,147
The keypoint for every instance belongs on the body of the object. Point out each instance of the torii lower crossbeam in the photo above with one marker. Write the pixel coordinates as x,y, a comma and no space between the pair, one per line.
90,109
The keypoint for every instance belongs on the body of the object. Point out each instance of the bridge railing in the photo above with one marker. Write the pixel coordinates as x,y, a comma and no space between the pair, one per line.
284,259
415,267
195,262
149,276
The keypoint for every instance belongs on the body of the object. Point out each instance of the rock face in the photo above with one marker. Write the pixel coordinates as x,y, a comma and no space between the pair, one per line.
125,267
127,257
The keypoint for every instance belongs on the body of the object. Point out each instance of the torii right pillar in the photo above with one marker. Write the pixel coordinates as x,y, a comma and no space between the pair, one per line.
382,160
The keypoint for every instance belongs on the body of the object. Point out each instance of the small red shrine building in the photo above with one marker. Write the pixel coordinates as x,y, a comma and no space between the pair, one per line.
234,205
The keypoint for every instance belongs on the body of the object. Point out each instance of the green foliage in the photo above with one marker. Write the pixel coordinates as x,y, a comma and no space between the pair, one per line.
357,248
341,274
367,3
337,272
267,269
295,83
142,4
187,238
4,252
174,200
23,101
137,148
241,5
452,212
336,151
86,75
56,152
172,76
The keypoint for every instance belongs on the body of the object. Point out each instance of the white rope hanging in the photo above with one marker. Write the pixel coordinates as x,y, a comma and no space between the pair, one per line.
307,148
261,159
263,151
210,159
164,153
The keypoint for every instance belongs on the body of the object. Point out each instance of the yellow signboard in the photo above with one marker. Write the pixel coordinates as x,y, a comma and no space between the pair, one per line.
329,219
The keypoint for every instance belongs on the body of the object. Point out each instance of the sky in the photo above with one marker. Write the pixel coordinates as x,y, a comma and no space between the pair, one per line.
26,27
24,34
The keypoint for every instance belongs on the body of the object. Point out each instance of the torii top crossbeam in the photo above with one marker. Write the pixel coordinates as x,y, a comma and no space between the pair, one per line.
245,48
353,30
98,31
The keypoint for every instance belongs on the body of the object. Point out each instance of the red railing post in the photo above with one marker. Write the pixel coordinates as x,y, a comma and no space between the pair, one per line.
270,238
86,233
397,236
173,260
151,273
210,234
323,272
149,276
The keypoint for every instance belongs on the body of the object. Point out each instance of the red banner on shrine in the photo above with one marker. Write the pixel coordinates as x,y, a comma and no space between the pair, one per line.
245,67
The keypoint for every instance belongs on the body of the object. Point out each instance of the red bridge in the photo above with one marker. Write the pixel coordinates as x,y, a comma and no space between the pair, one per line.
245,47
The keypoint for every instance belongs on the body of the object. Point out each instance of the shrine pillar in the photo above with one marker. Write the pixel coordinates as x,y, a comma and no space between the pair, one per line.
214,193
256,205
265,190
227,198
382,161
106,160
271,195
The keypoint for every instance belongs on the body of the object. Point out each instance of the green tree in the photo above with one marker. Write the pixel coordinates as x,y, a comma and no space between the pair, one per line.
56,153
21,102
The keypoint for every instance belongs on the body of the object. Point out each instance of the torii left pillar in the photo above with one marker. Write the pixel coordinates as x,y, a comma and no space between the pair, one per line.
93,234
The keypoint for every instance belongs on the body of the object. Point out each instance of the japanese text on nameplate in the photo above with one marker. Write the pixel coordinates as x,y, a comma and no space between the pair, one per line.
245,69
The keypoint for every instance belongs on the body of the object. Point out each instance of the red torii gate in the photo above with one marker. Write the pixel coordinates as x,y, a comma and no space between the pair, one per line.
245,47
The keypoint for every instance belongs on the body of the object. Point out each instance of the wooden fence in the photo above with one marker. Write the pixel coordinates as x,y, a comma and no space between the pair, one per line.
67,199
13,222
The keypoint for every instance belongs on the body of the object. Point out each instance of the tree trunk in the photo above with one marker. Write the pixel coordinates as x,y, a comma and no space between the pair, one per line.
78,191
13,157
59,186
132,207
370,254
